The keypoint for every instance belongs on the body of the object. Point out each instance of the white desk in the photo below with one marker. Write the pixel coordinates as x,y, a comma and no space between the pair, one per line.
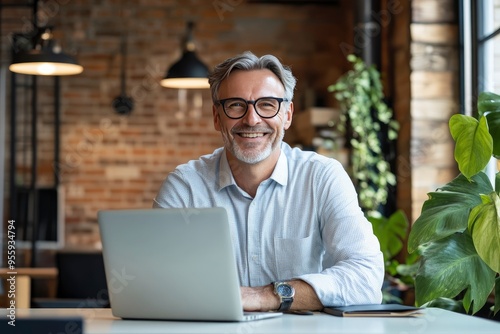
433,321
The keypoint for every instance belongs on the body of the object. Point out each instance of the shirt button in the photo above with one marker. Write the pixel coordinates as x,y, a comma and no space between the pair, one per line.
254,258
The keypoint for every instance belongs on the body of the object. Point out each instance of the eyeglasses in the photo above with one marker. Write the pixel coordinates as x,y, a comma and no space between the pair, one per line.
265,107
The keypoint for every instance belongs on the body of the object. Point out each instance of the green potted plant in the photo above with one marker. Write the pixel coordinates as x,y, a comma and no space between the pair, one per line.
365,117
392,234
368,122
458,231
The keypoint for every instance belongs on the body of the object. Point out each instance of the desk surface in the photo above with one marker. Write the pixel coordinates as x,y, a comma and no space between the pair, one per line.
433,321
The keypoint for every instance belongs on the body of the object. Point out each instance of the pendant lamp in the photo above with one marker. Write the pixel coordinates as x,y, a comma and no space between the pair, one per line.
44,57
189,71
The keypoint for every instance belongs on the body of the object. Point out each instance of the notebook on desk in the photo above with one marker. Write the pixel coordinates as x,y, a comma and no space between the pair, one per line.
172,264
374,310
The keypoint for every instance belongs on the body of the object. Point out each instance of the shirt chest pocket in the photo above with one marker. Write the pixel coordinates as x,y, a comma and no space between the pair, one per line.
297,256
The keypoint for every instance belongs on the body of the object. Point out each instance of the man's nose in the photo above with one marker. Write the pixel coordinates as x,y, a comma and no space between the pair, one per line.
251,117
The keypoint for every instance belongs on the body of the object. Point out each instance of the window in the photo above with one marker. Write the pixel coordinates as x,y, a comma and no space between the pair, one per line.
480,35
489,45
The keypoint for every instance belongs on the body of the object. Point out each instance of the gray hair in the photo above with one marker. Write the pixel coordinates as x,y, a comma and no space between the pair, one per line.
247,61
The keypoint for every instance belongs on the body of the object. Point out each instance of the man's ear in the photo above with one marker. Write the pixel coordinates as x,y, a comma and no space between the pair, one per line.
288,116
216,116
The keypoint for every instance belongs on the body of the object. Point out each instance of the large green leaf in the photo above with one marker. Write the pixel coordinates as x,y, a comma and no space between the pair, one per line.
484,226
447,304
447,209
390,232
450,266
474,144
494,128
488,102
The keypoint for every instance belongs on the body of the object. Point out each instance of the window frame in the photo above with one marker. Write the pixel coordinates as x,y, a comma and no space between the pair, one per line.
474,59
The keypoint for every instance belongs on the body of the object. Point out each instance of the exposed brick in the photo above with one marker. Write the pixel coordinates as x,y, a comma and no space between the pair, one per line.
433,109
157,136
428,85
442,11
444,34
112,161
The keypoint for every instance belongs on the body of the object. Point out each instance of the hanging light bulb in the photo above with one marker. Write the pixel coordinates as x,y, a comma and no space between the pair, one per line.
44,58
189,71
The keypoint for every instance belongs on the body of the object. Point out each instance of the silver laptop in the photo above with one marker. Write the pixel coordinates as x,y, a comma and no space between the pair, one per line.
172,264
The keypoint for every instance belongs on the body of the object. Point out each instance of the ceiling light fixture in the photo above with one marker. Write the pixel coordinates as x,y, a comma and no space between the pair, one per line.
189,71
43,56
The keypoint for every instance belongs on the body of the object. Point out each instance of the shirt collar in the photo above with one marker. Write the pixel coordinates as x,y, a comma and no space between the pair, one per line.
280,173
225,175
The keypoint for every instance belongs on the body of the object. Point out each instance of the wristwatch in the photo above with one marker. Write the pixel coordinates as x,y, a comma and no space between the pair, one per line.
285,292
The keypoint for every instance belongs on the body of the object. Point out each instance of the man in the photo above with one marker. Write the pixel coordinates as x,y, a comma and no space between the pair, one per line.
295,218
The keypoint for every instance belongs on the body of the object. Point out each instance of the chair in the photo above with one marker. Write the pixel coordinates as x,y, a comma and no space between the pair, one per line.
81,281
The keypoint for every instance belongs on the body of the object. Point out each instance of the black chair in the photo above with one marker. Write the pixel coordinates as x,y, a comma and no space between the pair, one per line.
81,282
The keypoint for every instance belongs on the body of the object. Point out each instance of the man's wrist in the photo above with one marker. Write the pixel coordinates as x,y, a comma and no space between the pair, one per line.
285,293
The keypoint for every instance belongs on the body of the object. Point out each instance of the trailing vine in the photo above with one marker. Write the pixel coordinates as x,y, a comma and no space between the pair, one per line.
368,122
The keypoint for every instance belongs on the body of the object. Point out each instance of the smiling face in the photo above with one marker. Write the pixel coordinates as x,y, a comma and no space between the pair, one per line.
252,139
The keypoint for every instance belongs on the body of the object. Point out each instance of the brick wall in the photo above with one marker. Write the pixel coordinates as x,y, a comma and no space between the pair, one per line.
113,161
434,96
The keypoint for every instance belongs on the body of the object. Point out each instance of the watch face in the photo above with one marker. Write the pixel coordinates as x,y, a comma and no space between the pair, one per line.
284,290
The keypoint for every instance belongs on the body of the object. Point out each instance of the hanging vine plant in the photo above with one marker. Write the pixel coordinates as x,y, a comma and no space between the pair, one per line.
368,122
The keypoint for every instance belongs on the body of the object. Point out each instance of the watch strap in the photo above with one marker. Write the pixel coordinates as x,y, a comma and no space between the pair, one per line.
285,302
285,305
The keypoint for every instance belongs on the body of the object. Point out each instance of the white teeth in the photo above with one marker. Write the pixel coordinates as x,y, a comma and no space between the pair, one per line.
251,135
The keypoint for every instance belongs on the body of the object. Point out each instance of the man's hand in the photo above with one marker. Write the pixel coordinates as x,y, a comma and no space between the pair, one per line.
262,298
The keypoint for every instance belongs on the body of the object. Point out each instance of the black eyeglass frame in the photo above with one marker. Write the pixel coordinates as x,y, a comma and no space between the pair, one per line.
280,100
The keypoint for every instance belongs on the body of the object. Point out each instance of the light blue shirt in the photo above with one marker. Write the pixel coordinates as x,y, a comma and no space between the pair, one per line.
304,223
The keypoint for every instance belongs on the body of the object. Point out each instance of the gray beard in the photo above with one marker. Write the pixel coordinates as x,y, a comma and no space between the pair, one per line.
255,158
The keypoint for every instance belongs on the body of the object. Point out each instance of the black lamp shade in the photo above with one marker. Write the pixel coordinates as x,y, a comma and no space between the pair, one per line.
44,62
188,72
